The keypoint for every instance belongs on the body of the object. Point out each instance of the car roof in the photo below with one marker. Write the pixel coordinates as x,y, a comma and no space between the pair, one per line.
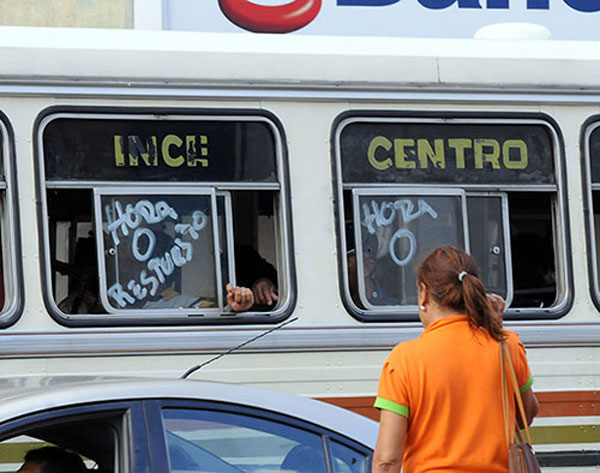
21,396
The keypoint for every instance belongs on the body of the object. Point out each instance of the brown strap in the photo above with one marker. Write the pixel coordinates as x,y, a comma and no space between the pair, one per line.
504,397
515,386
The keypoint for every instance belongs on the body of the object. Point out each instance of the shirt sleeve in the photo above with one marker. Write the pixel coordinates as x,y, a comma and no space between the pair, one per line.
392,390
519,359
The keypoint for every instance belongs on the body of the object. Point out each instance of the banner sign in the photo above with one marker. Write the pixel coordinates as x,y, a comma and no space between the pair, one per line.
442,153
159,150
566,19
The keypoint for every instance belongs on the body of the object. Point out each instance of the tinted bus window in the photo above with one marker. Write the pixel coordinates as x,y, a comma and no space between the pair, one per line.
150,216
154,244
407,185
592,159
396,229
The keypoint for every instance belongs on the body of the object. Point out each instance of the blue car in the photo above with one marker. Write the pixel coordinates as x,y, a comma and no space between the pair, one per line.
157,425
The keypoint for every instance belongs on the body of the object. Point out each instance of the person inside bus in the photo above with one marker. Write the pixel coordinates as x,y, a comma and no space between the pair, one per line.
83,279
255,272
440,395
52,460
372,266
256,289
534,282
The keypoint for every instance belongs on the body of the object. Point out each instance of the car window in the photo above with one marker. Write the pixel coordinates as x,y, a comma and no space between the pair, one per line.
13,450
109,437
346,459
221,442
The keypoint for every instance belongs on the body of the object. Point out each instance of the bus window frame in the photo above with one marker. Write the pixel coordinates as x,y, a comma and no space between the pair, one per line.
588,127
359,192
160,191
560,223
506,233
229,240
283,220
10,231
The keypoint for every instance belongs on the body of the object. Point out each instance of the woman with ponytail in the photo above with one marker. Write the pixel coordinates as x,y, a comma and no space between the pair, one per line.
440,395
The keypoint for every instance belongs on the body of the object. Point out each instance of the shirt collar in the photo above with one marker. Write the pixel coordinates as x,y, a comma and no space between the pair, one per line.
453,319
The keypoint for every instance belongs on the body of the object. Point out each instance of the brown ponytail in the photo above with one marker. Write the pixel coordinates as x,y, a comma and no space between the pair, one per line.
451,278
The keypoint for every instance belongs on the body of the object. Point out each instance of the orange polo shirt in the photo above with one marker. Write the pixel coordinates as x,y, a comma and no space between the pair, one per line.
447,384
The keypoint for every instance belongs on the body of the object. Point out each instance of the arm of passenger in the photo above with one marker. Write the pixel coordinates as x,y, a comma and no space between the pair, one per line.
250,266
530,405
239,298
389,450
497,304
265,292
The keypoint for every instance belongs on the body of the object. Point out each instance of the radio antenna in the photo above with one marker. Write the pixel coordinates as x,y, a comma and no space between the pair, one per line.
241,345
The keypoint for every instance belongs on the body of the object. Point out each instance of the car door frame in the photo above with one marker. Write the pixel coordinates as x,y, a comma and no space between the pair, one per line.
157,442
132,451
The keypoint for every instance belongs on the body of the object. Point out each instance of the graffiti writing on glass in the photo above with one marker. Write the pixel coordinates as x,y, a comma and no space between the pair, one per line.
383,214
133,219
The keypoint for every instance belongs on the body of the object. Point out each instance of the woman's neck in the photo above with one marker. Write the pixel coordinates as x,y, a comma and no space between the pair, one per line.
437,312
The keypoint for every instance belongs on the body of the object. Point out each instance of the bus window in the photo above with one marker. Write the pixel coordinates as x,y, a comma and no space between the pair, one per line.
10,283
591,145
488,223
164,246
407,185
386,240
150,216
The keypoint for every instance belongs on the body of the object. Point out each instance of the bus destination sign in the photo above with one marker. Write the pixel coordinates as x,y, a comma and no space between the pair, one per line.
158,150
446,153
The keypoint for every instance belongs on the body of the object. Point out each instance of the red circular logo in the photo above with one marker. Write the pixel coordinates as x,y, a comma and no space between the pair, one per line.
270,19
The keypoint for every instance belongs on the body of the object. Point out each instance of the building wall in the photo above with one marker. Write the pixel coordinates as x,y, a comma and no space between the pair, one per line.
68,13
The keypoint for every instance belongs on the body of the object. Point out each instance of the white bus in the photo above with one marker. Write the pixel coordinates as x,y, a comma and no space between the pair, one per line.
143,171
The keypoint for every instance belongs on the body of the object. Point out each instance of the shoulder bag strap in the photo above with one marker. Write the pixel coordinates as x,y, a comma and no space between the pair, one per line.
504,396
515,385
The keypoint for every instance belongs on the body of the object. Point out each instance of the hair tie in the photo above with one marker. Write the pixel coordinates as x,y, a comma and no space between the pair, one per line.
461,275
